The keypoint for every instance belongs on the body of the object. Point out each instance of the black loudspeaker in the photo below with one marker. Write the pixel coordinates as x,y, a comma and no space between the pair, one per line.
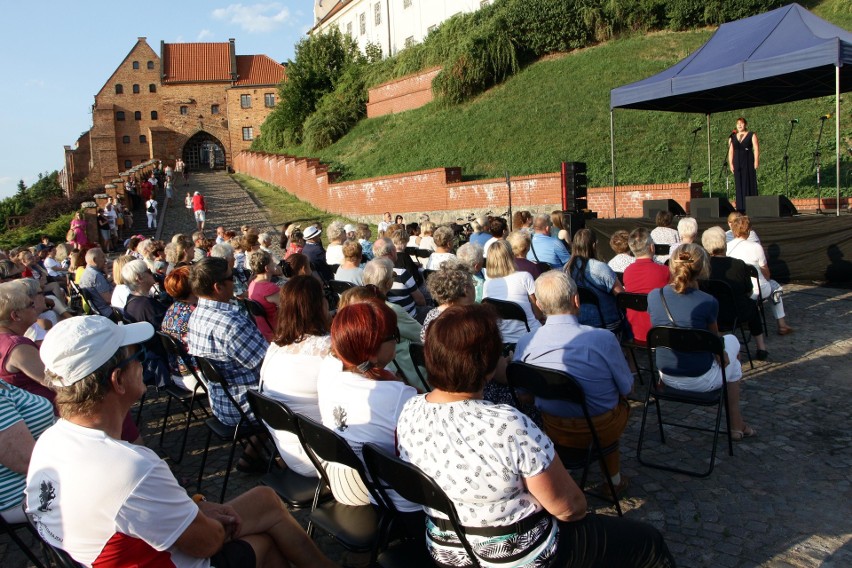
650,207
575,186
769,206
710,207
576,220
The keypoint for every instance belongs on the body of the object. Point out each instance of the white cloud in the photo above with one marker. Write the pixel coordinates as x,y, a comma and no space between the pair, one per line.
204,34
254,18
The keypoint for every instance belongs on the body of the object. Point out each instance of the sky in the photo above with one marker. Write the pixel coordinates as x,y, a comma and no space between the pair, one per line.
58,55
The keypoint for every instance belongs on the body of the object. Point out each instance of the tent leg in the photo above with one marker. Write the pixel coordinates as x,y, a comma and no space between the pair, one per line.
709,160
837,135
612,161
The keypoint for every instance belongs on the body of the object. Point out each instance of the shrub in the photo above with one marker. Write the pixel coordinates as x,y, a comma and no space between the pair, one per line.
337,111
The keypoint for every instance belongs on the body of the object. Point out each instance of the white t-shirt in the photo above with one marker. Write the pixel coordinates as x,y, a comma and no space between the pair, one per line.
427,243
334,254
750,253
362,410
516,287
436,258
98,498
289,374
119,296
151,203
53,266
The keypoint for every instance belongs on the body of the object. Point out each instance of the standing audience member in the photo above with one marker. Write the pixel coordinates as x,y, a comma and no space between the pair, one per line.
78,225
151,212
121,501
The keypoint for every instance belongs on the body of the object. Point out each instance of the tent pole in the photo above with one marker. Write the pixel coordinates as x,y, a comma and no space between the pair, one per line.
612,160
709,159
837,134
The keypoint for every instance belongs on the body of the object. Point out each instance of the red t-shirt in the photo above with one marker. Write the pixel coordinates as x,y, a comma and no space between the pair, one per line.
198,203
641,277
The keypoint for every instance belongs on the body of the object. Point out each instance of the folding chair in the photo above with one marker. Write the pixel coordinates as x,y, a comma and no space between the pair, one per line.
752,272
340,286
239,434
639,303
358,528
559,385
543,267
589,298
187,398
414,485
685,340
423,253
60,558
257,311
418,357
427,274
294,489
508,311
12,529
728,319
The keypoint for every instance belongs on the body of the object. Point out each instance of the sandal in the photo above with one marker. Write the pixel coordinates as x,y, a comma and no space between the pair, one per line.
740,435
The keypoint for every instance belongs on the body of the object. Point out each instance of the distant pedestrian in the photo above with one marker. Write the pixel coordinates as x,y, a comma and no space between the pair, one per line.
199,207
187,202
151,211
170,188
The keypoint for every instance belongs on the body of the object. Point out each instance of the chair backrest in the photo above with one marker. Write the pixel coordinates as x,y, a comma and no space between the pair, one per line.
662,249
412,484
61,558
508,310
685,339
422,253
543,267
274,412
427,274
753,273
254,308
723,293
208,369
418,357
175,348
340,286
545,383
632,301
588,297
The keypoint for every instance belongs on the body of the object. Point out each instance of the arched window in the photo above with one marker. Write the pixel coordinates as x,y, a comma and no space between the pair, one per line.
153,115
137,115
150,65
152,88
135,89
119,89
136,65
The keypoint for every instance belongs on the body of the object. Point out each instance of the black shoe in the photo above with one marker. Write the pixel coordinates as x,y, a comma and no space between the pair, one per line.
761,355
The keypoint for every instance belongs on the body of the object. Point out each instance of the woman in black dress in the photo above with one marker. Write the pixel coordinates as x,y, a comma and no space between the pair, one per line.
743,159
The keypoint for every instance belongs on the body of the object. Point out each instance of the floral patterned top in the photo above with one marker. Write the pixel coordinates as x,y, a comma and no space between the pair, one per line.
176,324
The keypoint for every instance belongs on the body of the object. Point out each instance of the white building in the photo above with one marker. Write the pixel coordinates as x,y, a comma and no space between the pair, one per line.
391,24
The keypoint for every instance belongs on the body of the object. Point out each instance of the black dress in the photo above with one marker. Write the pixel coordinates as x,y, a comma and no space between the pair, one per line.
745,176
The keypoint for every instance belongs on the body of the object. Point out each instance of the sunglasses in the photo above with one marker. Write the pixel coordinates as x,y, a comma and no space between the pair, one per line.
138,356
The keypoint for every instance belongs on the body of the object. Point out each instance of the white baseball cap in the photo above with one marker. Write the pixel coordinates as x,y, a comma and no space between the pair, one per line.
78,346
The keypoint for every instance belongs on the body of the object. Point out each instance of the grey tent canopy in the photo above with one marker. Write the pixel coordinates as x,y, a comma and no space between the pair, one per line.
784,55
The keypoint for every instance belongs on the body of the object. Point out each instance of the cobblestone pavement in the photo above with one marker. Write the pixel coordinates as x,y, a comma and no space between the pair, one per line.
782,500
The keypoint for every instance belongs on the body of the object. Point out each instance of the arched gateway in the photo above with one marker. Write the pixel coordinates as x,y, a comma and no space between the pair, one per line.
204,152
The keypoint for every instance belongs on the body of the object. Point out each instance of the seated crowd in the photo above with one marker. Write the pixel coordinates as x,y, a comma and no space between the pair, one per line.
269,321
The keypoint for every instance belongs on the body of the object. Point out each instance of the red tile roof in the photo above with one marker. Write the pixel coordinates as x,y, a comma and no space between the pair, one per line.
190,62
258,70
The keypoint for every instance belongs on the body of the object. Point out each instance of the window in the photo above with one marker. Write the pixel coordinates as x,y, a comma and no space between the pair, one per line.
362,22
135,89
406,3
137,115
153,115
152,88
409,41
349,29
125,139
248,134
269,100
377,14
150,65
245,101
184,110
143,139
136,65
128,164
119,115
119,89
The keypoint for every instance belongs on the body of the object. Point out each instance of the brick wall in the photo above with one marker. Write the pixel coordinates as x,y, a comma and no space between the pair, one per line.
406,93
253,117
439,192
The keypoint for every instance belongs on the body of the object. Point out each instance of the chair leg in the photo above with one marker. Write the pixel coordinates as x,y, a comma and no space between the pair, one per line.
204,460
660,420
165,419
228,469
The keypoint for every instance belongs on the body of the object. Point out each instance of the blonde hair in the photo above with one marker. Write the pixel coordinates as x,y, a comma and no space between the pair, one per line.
501,261
117,265
688,264
520,242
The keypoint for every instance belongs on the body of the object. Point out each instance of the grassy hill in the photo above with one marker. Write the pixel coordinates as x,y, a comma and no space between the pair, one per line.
558,109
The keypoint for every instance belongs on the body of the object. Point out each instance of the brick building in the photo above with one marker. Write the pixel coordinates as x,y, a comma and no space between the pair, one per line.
198,101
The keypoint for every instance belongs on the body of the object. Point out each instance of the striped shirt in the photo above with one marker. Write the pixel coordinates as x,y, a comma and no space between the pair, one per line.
37,413
400,292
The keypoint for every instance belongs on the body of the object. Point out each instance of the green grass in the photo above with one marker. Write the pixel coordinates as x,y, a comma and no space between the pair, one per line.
283,207
558,109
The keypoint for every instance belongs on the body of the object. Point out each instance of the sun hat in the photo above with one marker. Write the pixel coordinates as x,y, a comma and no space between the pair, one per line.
311,233
78,346
349,228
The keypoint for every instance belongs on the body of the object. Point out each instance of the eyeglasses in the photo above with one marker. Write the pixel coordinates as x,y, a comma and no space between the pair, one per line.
138,356
395,337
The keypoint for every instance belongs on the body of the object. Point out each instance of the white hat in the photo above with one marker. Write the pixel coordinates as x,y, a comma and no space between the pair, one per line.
349,228
311,233
197,193
78,346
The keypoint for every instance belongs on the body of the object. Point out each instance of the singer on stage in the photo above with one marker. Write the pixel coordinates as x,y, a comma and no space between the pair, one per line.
743,159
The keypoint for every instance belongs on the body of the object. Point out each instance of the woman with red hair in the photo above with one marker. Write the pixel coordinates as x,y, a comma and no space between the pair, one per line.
358,397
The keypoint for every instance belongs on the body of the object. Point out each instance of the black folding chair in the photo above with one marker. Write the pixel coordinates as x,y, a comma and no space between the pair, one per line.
175,350
239,434
508,311
358,528
423,253
728,319
543,267
752,272
414,485
589,298
427,274
257,311
340,286
559,385
418,357
12,529
294,489
686,340
639,303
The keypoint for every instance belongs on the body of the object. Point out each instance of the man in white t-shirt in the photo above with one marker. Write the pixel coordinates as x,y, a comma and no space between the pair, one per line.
121,501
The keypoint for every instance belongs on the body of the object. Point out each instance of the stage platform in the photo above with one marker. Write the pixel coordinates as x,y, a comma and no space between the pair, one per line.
803,248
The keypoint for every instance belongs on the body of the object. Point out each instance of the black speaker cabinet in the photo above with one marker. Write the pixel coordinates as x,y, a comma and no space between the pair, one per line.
575,186
710,207
769,206
650,207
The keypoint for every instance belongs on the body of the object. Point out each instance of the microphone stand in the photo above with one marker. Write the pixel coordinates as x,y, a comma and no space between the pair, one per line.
786,162
817,164
691,150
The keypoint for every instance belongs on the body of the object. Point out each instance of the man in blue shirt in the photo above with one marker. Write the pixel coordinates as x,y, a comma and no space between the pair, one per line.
544,248
592,356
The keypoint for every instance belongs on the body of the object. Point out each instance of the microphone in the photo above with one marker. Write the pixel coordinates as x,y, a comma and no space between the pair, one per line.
825,116
794,121
696,130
